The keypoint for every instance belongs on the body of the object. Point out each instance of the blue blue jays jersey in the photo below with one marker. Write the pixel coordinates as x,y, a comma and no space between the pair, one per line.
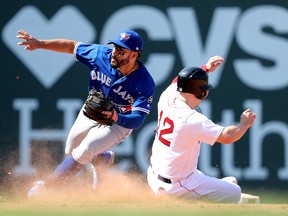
127,93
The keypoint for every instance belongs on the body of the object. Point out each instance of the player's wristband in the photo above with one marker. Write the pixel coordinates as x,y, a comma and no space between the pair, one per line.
204,68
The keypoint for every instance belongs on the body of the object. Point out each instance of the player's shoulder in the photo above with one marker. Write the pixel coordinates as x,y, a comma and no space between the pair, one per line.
94,47
196,118
168,96
171,90
144,77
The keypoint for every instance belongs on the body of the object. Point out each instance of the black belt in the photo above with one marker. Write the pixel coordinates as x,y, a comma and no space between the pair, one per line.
164,179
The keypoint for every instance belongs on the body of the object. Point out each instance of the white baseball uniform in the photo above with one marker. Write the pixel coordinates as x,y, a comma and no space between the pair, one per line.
176,149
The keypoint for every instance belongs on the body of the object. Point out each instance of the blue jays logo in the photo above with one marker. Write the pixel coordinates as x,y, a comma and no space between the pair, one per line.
123,108
150,99
125,36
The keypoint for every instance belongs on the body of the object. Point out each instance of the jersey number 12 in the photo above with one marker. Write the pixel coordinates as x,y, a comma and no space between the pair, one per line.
168,125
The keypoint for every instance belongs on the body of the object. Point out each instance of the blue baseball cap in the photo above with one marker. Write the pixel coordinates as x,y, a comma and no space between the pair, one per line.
128,39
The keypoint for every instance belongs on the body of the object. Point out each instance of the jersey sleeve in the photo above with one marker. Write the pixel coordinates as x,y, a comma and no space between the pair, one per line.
86,53
203,129
145,91
132,121
144,103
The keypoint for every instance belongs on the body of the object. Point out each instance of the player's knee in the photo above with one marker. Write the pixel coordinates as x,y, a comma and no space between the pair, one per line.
234,195
70,145
237,196
82,156
68,151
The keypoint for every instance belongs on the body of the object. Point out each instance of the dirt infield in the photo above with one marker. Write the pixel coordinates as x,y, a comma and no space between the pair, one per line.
120,194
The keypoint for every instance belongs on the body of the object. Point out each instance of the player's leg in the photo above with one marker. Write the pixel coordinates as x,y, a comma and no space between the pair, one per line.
197,186
70,166
95,148
78,132
99,167
64,171
98,140
211,189
231,179
156,185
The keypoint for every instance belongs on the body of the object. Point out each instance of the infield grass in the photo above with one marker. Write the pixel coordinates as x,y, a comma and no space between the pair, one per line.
127,209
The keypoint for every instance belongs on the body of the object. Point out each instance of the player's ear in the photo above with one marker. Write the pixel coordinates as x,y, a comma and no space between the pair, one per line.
135,54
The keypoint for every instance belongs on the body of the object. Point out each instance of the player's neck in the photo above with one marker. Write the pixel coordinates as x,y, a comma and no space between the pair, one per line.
188,99
129,69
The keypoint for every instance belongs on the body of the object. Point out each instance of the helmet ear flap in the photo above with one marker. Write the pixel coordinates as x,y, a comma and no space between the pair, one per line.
202,95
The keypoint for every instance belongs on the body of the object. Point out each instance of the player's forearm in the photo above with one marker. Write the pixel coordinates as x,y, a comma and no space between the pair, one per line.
58,45
132,121
231,134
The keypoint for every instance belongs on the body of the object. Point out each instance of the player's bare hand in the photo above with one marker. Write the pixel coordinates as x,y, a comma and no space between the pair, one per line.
29,42
213,63
111,115
247,118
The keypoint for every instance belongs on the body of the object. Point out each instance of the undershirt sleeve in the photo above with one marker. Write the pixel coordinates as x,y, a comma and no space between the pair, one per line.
132,121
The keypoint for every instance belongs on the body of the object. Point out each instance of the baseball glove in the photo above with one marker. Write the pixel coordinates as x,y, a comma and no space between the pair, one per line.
95,104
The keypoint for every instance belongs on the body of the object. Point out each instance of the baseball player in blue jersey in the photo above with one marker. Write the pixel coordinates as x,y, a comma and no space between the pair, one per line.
120,76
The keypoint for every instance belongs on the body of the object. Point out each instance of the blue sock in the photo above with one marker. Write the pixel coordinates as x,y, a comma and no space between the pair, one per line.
64,171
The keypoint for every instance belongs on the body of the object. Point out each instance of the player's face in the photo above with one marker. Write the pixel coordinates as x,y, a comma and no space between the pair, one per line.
120,57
